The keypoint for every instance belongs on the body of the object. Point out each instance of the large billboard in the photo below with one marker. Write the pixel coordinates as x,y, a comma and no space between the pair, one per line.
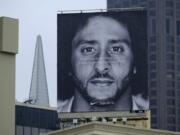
102,61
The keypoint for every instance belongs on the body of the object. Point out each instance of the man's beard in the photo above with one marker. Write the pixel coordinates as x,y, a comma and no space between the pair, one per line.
82,89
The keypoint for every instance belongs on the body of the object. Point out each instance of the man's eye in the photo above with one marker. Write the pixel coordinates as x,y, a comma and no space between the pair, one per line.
117,49
87,50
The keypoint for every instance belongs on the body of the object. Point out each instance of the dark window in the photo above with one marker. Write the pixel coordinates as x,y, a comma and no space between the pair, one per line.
152,66
170,111
178,49
171,102
152,39
171,127
170,84
169,39
169,3
170,66
178,76
153,84
152,75
153,26
178,67
170,57
170,93
177,13
178,40
170,75
169,12
152,13
152,4
153,93
152,48
126,3
153,102
178,57
167,26
171,120
178,101
153,57
169,48
153,111
178,85
178,28
134,2
154,119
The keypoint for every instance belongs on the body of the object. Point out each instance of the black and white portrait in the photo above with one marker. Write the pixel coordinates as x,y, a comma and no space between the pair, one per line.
102,61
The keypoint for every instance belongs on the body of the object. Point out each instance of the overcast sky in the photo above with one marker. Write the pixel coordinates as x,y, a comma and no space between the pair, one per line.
39,17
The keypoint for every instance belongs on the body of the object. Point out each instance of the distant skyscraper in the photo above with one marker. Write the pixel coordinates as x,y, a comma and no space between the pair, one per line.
39,90
163,59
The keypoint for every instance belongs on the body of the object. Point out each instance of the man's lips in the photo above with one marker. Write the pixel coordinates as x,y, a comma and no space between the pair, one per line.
102,81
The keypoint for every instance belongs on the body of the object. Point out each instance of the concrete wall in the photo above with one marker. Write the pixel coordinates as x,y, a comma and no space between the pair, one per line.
8,50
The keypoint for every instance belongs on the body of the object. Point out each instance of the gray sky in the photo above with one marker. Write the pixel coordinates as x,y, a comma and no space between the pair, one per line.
39,17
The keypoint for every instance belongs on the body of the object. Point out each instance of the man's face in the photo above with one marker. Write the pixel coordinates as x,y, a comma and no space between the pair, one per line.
102,57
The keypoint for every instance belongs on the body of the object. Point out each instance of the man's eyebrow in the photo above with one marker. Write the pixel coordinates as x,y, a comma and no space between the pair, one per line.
79,42
126,41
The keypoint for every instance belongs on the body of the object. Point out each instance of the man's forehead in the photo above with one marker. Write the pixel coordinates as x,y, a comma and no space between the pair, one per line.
103,20
102,27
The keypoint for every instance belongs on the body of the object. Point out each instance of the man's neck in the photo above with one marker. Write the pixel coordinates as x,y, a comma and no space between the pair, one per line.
81,105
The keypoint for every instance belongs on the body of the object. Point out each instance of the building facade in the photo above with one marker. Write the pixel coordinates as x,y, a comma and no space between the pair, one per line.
33,119
163,59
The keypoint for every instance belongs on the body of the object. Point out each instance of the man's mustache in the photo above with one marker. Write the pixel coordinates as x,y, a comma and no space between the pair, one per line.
101,75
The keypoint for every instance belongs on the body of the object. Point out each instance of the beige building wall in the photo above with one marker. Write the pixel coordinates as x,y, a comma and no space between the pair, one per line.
96,128
8,50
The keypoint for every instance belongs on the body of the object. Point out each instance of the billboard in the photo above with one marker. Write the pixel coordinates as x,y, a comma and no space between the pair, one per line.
102,61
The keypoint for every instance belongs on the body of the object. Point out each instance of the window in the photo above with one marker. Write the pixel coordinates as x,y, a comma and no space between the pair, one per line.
169,39
178,13
167,26
154,119
153,26
170,111
169,3
169,12
134,2
153,84
170,93
153,92
178,85
178,41
153,111
178,49
152,13
170,66
170,75
152,4
171,127
171,102
178,67
178,101
170,84
152,66
171,120
125,3
153,57
169,48
152,75
152,48
178,28
153,102
152,39
170,57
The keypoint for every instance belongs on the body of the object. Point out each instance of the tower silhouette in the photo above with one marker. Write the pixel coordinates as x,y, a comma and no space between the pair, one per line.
39,90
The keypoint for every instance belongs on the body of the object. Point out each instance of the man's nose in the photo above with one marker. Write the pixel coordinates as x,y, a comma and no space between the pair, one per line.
102,64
